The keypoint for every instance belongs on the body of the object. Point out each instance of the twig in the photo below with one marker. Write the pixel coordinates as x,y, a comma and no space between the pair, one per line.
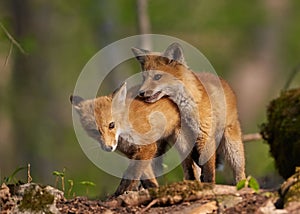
150,205
29,178
11,38
8,55
251,137
63,180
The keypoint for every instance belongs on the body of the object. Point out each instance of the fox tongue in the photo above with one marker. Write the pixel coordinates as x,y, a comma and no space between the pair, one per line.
154,96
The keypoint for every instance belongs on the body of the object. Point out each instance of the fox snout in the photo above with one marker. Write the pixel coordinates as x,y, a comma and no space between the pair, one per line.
150,95
109,148
142,93
146,93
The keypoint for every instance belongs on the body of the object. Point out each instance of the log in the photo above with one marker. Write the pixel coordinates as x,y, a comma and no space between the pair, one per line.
174,194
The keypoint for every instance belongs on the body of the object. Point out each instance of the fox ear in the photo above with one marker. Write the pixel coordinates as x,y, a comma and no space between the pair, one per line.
140,54
175,52
119,96
76,101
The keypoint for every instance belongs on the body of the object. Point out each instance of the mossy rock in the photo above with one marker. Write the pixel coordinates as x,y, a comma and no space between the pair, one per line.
290,191
36,199
282,131
293,194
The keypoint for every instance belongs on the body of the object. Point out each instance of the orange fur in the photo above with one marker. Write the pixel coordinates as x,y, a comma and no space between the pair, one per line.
216,103
99,110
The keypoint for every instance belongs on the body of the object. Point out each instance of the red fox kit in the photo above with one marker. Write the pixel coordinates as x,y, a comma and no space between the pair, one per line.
216,119
106,127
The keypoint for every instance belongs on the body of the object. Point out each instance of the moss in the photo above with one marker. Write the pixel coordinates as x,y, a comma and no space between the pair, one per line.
281,131
36,199
270,194
227,201
182,190
293,194
293,189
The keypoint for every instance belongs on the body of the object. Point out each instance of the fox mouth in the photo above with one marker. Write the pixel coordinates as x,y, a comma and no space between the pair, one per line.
153,98
108,148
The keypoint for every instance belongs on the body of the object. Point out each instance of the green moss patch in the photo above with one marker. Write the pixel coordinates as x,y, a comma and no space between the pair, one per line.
36,199
179,191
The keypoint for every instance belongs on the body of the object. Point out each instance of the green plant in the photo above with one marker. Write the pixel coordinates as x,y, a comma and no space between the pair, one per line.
87,184
250,182
71,185
60,175
12,177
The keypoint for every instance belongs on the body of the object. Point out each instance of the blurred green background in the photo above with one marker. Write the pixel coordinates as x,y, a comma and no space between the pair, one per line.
252,44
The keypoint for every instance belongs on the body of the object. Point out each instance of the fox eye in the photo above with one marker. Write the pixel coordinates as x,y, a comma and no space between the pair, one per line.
157,76
111,125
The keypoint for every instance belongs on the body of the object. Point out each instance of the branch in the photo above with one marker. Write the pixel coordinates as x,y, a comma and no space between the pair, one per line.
251,137
7,56
11,38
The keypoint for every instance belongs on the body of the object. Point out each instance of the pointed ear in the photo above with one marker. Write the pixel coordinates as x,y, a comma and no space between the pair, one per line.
76,101
119,96
140,54
175,52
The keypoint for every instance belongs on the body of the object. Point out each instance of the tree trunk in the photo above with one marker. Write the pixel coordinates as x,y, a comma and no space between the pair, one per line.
143,23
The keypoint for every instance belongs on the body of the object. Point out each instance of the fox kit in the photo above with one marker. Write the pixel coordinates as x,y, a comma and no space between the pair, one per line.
215,122
107,128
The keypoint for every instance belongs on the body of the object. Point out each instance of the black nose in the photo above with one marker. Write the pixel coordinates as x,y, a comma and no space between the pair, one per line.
108,148
141,93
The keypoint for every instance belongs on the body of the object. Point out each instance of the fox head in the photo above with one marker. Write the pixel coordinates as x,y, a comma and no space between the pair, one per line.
97,119
161,71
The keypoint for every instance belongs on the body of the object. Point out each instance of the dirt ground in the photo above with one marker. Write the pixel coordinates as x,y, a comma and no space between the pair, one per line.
250,203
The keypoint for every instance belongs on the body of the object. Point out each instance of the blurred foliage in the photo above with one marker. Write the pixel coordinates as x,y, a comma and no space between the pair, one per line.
61,36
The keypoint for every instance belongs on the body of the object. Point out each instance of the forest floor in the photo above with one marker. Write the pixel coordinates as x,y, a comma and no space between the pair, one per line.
248,203
182,197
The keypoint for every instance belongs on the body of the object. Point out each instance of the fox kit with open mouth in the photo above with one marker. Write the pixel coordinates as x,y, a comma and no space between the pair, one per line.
206,102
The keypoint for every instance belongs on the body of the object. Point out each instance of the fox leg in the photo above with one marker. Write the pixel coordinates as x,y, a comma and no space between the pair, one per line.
206,159
209,173
132,175
126,185
190,169
185,150
148,179
233,149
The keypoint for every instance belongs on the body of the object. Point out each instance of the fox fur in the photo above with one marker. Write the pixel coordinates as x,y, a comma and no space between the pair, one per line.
110,130
206,103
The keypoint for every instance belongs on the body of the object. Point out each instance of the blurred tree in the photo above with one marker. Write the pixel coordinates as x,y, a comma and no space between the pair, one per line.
31,89
143,21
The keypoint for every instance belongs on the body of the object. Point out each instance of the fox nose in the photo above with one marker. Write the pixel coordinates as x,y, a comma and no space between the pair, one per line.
110,148
142,93
113,148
